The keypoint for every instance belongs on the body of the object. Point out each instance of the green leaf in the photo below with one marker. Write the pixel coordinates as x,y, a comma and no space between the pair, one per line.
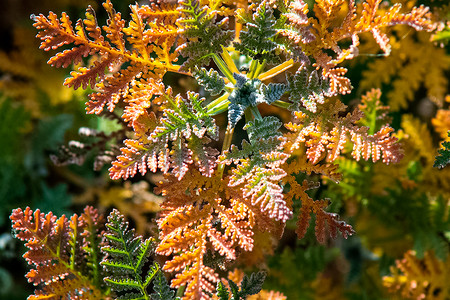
249,286
306,89
235,295
252,285
222,291
209,80
272,92
443,159
204,35
125,255
161,288
257,41
264,129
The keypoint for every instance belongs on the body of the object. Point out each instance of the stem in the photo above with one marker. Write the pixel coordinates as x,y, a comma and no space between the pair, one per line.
229,61
180,291
219,108
255,112
215,102
252,68
223,68
248,115
259,68
373,122
276,70
226,145
179,72
282,104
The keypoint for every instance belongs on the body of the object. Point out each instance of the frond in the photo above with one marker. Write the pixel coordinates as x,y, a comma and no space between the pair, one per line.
162,13
302,165
248,286
197,276
162,288
88,40
297,29
419,139
381,144
257,41
330,132
171,143
194,219
441,121
93,223
204,35
316,34
259,167
112,89
124,257
412,64
57,251
414,278
135,34
137,157
273,91
241,287
307,89
443,157
209,80
90,141
323,219
375,113
418,18
114,27
143,94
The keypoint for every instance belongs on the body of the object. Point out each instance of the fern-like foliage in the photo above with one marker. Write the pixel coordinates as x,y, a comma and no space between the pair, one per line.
64,253
441,121
200,214
257,41
162,288
24,77
315,34
237,285
443,159
91,140
88,40
308,89
272,92
413,63
68,255
249,93
205,36
125,256
210,80
329,132
414,278
258,166
375,113
249,286
196,219
209,207
324,219
172,142
421,148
